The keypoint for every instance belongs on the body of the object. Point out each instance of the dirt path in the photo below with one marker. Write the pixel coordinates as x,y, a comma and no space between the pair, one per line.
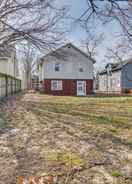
42,134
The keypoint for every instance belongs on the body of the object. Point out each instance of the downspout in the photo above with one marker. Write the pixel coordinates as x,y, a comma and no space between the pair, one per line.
107,84
121,89
14,67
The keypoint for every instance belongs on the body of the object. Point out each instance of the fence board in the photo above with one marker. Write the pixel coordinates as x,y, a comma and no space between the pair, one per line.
9,85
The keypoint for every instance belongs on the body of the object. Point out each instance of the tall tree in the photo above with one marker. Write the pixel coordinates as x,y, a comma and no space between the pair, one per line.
119,52
91,43
28,63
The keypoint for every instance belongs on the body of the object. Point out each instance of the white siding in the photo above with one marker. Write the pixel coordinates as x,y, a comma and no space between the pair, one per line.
4,66
110,83
103,83
69,66
9,66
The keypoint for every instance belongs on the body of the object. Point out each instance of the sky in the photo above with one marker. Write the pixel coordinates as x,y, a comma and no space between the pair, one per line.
77,34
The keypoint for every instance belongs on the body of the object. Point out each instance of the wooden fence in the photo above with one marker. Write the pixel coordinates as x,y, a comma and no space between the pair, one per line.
9,85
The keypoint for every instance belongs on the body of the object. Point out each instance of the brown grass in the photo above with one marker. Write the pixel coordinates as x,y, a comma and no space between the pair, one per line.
53,133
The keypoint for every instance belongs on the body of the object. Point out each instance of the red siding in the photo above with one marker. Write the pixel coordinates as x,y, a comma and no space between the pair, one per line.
69,87
89,86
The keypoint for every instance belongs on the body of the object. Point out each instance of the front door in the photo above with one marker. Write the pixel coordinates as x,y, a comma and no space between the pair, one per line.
81,88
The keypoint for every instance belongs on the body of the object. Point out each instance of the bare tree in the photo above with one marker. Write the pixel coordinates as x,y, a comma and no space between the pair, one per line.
107,11
119,52
28,62
36,21
114,54
91,43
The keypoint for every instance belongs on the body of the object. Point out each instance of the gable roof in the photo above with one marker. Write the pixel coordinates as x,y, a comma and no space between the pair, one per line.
115,66
55,52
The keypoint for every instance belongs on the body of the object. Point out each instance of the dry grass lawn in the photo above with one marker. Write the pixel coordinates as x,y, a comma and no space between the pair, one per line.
92,136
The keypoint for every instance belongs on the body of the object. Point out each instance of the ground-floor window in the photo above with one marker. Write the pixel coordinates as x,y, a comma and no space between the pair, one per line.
56,85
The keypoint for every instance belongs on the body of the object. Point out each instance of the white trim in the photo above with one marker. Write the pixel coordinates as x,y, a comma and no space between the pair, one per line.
82,84
80,67
56,85
59,66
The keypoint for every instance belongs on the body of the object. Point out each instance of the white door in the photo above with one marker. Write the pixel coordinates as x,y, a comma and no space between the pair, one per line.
81,88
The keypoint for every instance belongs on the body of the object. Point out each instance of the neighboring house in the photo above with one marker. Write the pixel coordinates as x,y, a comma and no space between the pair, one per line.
116,78
67,71
96,82
35,82
9,64
9,75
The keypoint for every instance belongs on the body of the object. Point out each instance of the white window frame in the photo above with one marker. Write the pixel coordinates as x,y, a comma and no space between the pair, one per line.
113,81
119,83
59,67
81,88
56,85
81,68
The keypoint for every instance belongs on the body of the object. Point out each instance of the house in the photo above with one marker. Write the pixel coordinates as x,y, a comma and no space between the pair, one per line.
9,80
66,71
116,77
9,64
96,82
35,82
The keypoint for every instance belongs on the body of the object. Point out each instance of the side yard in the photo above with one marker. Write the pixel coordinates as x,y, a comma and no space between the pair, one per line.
76,139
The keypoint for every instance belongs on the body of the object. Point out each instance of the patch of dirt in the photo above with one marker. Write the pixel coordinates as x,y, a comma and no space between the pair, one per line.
39,139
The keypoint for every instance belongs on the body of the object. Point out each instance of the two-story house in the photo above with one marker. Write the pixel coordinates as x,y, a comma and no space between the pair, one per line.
67,71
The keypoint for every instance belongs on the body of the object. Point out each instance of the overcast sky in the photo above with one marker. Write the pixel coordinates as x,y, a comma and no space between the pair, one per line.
111,31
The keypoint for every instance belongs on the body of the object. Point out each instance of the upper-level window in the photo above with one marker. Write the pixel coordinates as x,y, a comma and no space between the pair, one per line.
57,67
80,68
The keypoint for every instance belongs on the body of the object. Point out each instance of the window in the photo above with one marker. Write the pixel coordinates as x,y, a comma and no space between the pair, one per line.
80,68
56,85
104,82
113,81
118,83
57,67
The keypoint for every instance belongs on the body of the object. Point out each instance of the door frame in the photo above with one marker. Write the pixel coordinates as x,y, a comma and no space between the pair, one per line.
84,85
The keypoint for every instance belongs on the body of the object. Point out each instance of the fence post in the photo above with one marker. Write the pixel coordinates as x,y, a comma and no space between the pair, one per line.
20,85
15,85
11,86
6,79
